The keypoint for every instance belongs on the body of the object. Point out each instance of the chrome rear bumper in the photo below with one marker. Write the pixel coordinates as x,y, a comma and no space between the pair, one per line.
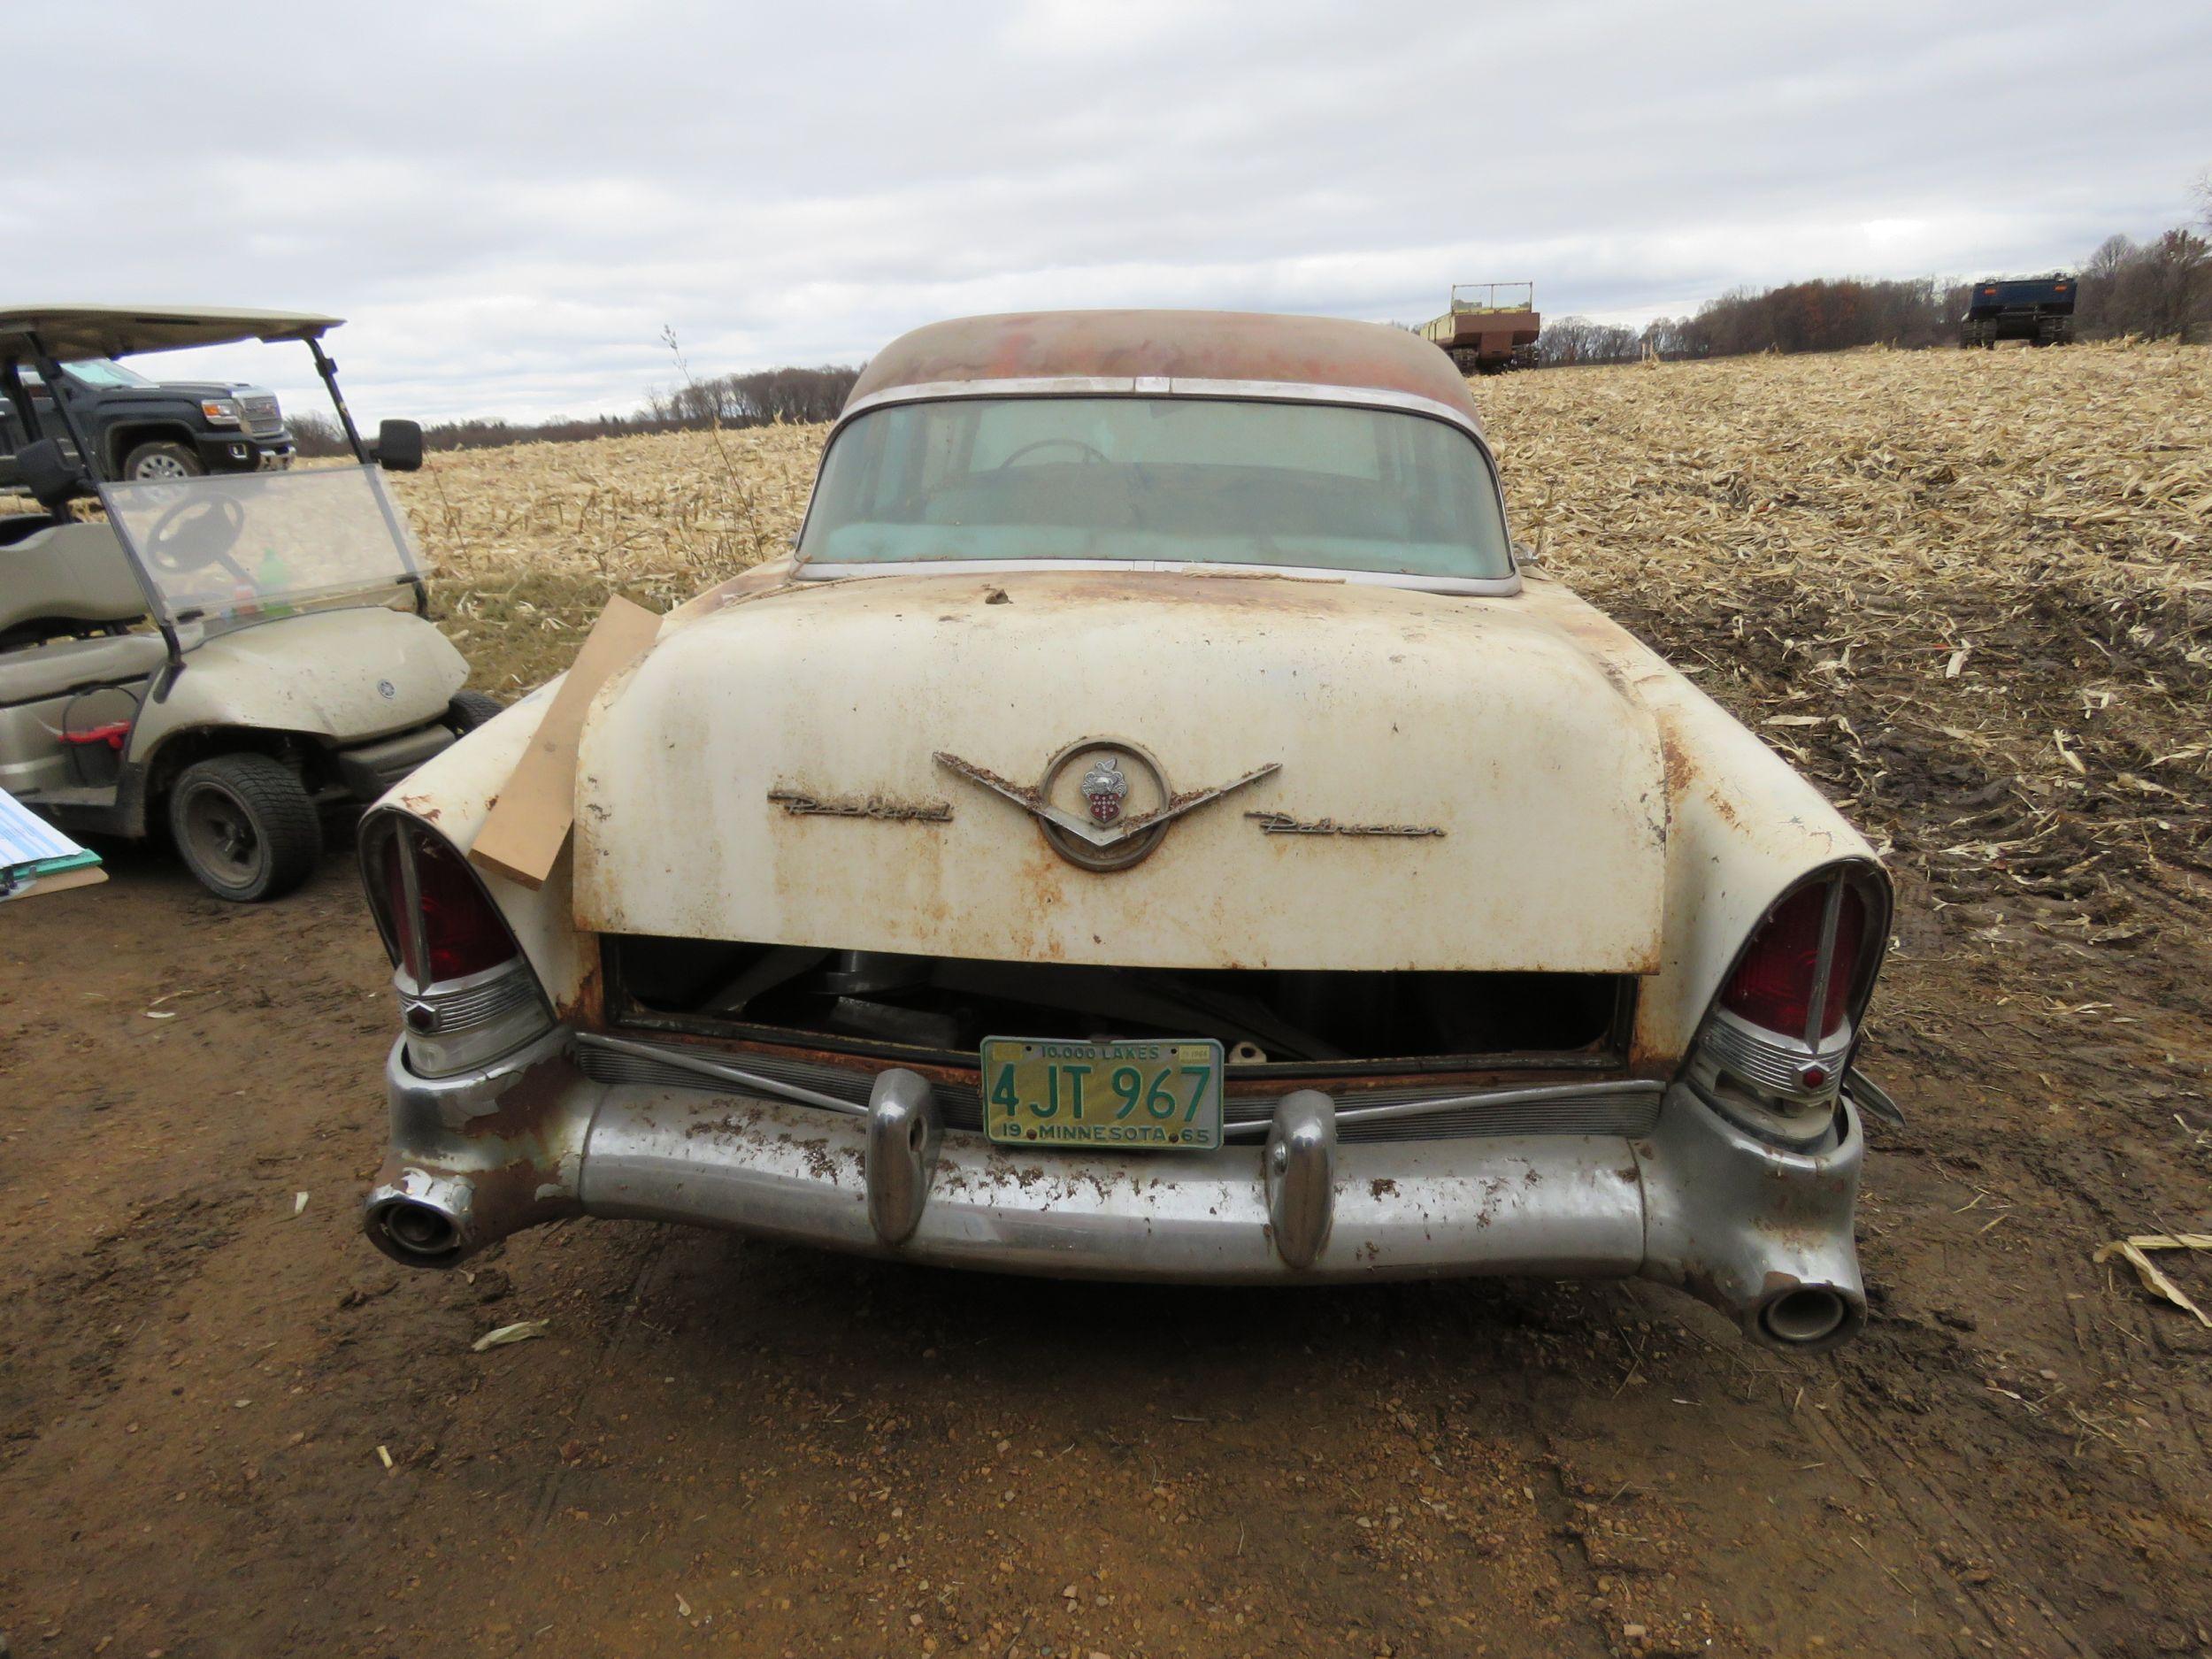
1763,1234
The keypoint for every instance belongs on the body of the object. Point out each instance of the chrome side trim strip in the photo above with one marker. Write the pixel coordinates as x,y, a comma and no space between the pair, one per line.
684,1061
1621,1106
1631,1091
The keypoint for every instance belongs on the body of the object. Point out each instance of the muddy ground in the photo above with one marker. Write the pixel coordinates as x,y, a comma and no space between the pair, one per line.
228,1426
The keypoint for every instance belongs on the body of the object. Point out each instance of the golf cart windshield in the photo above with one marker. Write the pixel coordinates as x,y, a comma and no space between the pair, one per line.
247,546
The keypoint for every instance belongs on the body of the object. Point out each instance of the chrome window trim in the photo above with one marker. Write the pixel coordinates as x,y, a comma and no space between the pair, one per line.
1163,386
804,568
1488,587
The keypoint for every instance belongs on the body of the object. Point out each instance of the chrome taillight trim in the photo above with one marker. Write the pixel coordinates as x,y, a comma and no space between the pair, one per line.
454,1006
1773,1063
463,1023
1824,965
378,825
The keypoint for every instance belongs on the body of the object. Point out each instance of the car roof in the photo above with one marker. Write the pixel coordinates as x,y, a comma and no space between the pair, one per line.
1317,353
70,333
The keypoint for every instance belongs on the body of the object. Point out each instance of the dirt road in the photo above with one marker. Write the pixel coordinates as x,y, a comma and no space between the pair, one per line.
726,1446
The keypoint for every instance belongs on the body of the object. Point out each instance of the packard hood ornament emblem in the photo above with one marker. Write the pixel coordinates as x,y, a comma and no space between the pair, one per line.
1102,804
1105,788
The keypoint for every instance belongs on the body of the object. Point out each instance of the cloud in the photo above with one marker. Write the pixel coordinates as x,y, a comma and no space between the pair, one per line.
511,200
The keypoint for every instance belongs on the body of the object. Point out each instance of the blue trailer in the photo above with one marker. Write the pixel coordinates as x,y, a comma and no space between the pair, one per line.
2038,310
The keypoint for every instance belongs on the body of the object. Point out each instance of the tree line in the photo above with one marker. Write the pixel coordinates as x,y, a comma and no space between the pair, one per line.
2161,289
759,399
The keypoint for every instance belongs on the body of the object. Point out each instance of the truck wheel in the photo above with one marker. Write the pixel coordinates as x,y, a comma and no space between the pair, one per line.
470,710
161,460
246,826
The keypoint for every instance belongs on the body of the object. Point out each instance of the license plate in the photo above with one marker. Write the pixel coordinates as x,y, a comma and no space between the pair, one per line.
1124,1095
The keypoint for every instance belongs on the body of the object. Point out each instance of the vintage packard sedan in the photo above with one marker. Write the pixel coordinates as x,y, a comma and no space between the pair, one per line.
1150,826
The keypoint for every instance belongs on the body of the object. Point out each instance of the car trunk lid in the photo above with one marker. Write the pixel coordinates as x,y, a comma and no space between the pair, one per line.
1456,785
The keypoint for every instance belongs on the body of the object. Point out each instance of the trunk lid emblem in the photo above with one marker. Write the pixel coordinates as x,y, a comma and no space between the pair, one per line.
1125,803
1105,788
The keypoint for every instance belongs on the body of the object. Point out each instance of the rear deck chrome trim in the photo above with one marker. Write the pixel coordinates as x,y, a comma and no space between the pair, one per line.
1623,1107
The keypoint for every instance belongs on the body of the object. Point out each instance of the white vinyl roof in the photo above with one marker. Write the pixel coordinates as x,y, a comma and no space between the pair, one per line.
73,332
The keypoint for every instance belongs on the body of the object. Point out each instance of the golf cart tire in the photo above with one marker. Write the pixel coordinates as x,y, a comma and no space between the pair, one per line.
268,799
179,457
470,710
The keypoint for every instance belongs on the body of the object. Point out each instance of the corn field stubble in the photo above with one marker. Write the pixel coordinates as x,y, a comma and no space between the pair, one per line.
1970,593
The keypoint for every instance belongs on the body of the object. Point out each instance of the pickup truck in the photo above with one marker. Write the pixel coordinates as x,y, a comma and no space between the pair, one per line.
2038,310
145,429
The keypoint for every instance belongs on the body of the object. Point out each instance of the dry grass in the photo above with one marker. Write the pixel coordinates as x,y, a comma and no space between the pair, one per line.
526,542
1968,592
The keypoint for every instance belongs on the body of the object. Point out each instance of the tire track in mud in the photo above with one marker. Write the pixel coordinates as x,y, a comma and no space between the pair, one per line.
1567,1444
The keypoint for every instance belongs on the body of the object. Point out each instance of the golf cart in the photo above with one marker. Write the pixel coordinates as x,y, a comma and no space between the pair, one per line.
224,655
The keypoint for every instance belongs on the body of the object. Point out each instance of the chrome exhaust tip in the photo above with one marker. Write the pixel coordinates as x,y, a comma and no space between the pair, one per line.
422,1224
1809,1317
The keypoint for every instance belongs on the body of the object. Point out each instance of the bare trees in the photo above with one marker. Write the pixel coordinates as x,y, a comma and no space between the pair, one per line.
2161,290
1817,316
758,399
1578,340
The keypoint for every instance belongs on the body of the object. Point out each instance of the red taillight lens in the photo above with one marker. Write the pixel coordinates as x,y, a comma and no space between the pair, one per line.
450,929
463,930
1772,986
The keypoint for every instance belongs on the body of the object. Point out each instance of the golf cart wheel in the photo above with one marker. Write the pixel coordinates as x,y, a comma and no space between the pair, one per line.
470,710
246,826
158,461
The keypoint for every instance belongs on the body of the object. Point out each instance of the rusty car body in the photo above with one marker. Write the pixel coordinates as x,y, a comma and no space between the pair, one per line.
1158,677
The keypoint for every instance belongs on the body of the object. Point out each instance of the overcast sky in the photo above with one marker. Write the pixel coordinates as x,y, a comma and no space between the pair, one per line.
511,200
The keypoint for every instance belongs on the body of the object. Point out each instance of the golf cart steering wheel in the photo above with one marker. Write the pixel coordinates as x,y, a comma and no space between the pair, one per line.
168,544
1089,454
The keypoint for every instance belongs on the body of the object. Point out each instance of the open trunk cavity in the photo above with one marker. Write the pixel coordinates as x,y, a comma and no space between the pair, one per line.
941,1007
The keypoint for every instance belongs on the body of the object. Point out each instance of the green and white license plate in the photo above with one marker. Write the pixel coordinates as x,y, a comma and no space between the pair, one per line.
1124,1096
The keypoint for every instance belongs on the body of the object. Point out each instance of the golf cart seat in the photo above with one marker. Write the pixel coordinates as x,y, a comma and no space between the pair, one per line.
39,672
18,526
57,582
67,578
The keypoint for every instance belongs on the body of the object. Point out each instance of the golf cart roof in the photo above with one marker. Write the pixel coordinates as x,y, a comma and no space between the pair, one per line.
75,332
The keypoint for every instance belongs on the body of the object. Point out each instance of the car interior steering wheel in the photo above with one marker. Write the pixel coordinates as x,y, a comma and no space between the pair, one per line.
1089,453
